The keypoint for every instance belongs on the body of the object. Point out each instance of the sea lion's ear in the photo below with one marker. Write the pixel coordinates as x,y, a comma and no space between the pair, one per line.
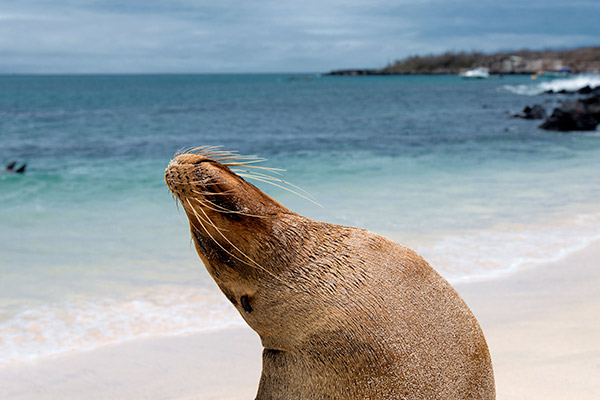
246,304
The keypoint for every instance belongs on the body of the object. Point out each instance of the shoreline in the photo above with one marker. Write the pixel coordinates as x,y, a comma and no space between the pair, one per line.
540,323
223,364
541,326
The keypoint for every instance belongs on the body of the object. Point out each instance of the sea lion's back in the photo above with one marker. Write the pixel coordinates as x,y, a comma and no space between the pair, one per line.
441,350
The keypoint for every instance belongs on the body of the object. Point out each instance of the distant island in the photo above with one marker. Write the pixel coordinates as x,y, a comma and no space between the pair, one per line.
585,59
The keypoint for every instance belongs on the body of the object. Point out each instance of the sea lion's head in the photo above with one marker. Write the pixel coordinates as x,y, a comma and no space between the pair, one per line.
215,198
238,232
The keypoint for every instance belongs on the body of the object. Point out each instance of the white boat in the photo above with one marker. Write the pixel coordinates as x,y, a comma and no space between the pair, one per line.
477,73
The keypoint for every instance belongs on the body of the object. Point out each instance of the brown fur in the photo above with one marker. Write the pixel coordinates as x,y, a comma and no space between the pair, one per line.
342,313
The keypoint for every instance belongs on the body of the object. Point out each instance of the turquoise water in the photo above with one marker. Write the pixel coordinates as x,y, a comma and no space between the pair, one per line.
93,250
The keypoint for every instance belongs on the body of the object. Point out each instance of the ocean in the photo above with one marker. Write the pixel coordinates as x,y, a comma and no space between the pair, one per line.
93,249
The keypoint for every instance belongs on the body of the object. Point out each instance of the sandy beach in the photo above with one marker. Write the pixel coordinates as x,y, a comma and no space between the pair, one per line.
541,324
542,328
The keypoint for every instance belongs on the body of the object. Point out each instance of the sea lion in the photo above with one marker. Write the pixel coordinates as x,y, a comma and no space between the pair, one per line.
10,167
342,313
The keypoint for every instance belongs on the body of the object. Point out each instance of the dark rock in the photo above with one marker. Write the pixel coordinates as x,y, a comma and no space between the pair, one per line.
591,100
573,116
534,112
584,90
354,72
592,106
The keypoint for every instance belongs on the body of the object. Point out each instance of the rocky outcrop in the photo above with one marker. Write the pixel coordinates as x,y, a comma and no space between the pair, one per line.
534,112
579,115
584,90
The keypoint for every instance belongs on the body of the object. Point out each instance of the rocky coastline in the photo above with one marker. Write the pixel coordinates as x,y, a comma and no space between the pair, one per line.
581,114
580,60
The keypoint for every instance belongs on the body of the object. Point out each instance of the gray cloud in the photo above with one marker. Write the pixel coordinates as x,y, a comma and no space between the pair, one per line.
272,36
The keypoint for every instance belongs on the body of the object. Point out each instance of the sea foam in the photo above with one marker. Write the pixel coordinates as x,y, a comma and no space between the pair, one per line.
74,326
492,253
570,84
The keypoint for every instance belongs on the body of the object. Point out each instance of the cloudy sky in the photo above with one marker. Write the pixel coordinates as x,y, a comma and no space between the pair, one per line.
57,36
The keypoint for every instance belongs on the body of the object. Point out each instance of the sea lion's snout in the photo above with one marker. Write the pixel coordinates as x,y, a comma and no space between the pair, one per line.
184,170
205,185
193,177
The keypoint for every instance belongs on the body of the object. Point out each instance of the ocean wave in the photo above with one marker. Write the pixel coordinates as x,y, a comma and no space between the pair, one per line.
73,326
569,84
489,254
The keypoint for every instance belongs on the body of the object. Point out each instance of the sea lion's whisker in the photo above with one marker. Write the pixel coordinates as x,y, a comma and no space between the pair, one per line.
195,183
249,161
200,150
198,217
221,153
229,158
176,203
196,150
242,158
277,171
215,154
221,209
218,156
204,204
235,247
209,221
204,151
250,176
211,149
184,150
207,193
254,172
266,176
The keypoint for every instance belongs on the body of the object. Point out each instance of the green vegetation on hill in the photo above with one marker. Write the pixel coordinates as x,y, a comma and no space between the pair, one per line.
585,59
437,64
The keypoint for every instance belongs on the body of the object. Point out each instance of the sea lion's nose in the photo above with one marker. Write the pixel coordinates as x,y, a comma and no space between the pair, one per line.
185,168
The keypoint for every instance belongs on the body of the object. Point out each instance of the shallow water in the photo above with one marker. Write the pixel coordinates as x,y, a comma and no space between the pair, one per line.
93,250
